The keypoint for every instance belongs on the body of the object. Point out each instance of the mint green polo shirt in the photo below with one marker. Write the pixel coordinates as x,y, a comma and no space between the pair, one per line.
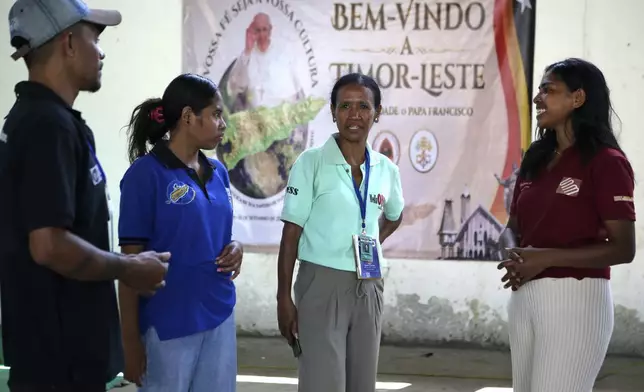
321,199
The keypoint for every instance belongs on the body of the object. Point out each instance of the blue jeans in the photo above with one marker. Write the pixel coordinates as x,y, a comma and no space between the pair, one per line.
203,362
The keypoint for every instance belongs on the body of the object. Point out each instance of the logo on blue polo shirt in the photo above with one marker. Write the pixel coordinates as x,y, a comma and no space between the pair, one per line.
180,193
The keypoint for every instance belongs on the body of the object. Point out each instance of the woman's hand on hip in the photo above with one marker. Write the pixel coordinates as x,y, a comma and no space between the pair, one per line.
230,259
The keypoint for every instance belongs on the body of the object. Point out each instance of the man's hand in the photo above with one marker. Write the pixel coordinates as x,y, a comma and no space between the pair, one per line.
146,271
230,259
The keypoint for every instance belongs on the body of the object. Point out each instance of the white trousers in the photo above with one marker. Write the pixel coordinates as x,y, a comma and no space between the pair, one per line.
559,333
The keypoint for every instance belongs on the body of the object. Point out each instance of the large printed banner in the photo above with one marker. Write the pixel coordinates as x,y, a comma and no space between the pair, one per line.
456,81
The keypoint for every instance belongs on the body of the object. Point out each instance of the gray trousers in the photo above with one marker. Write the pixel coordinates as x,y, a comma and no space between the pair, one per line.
339,325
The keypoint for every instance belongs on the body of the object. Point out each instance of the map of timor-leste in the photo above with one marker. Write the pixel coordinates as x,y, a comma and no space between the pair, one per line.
252,131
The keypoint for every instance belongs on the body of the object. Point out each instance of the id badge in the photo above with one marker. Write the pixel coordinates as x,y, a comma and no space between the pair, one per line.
366,257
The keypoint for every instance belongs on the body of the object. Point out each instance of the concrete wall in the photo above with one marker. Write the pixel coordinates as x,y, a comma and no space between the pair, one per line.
426,300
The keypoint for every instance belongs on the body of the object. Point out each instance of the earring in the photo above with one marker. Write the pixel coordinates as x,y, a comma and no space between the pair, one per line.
333,119
376,119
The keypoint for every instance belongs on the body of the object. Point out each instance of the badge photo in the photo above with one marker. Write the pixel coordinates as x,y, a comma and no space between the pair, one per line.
367,257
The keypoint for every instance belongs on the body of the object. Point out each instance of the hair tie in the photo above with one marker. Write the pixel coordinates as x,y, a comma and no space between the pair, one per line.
156,114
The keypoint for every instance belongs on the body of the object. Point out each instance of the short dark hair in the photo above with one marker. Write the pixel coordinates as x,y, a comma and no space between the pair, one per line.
41,54
361,80
187,90
36,56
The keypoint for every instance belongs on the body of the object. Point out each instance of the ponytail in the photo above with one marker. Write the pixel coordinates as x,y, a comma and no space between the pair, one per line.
146,125
152,120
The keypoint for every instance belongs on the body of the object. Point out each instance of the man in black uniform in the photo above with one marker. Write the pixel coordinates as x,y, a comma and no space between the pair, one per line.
60,322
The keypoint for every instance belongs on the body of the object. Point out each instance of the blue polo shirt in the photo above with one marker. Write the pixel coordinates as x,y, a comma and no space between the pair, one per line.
166,207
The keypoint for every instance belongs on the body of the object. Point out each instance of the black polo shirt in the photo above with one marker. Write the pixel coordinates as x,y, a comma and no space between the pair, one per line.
54,330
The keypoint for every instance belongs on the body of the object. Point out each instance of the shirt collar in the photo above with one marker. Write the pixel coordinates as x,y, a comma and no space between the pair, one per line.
169,160
333,155
38,91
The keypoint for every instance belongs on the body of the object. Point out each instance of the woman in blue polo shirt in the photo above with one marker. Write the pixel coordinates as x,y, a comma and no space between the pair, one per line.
343,200
174,198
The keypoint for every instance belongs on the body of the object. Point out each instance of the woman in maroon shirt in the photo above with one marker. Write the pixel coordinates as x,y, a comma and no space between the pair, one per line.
572,217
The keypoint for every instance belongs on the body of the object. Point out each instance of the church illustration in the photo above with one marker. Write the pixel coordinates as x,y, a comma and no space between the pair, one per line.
474,236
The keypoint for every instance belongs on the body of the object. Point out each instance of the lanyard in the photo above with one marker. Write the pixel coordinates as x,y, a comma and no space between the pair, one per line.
362,199
100,168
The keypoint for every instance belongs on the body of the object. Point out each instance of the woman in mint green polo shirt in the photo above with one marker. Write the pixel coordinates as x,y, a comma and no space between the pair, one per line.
342,201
